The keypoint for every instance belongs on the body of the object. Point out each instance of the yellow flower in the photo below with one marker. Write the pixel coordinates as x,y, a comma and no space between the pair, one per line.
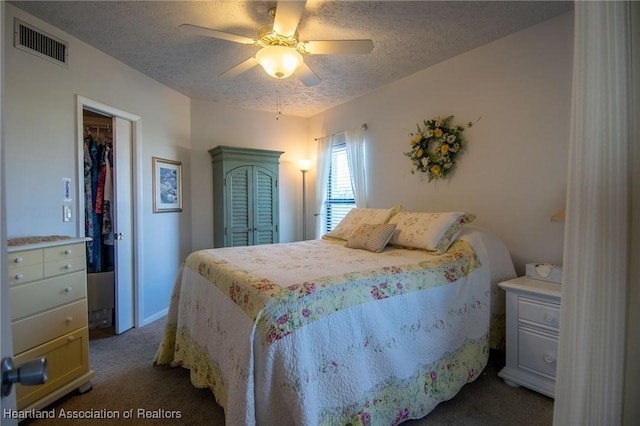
444,148
419,153
417,139
437,133
439,122
435,169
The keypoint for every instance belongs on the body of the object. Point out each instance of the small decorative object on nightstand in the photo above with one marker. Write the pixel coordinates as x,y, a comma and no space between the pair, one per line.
533,324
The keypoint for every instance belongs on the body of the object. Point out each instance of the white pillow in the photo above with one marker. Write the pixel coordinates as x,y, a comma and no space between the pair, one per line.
360,216
427,230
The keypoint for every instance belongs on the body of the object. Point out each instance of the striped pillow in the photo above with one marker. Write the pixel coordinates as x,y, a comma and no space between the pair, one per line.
371,237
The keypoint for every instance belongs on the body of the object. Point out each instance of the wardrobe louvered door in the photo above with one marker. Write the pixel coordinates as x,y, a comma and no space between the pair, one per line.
239,229
266,227
245,196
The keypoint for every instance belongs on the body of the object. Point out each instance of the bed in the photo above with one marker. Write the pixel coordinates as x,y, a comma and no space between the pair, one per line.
321,333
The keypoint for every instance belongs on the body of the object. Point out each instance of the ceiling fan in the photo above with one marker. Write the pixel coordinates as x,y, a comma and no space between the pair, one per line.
281,53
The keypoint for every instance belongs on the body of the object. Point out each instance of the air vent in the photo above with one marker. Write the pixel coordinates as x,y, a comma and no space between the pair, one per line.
33,40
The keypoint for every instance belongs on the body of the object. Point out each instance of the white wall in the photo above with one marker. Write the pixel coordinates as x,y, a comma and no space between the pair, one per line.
212,125
41,145
512,175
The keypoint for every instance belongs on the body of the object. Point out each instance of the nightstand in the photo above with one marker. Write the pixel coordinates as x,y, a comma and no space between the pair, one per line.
533,325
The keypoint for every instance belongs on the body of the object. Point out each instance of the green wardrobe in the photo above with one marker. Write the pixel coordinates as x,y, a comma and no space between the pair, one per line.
245,196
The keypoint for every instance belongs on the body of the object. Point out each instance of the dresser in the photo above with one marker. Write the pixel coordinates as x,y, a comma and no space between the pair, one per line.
245,196
533,325
48,290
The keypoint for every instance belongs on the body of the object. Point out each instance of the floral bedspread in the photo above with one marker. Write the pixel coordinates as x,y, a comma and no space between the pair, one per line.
315,333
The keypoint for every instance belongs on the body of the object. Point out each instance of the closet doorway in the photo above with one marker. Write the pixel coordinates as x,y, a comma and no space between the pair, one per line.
106,214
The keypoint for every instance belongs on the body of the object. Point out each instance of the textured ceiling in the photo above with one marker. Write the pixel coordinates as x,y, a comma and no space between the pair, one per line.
408,36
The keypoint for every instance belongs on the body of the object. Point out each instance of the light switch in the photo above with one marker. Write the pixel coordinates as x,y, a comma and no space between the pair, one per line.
66,213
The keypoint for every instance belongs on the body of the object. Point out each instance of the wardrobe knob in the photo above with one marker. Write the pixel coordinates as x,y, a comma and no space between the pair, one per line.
67,251
548,358
548,317
68,266
18,260
68,289
19,277
71,338
69,319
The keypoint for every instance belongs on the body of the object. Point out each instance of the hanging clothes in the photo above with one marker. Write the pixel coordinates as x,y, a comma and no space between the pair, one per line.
98,203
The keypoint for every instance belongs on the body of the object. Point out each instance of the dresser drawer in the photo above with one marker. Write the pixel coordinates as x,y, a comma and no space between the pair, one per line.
25,274
67,251
32,331
539,312
19,259
537,352
67,358
31,298
64,266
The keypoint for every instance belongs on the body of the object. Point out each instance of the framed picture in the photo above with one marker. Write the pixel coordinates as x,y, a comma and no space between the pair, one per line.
167,185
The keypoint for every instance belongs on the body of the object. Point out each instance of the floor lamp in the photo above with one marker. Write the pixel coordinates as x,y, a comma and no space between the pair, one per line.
304,168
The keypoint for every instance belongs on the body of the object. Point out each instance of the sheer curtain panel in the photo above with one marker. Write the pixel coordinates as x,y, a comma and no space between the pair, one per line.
591,354
355,157
324,161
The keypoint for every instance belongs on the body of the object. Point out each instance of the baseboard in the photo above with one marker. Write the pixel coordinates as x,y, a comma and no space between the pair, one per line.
155,317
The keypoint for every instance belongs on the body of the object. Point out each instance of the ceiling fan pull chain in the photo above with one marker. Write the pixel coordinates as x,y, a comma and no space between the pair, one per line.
278,112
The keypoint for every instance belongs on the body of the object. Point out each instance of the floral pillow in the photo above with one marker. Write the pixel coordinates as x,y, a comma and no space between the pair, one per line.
371,237
359,216
428,231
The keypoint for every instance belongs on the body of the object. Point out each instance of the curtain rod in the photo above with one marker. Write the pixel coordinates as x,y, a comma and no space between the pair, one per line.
364,127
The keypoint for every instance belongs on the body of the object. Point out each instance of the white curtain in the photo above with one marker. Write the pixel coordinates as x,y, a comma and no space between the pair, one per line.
355,157
590,371
322,177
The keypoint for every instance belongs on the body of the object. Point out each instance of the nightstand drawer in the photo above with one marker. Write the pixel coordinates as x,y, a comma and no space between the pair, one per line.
537,352
25,274
539,312
32,331
39,296
67,251
24,258
64,266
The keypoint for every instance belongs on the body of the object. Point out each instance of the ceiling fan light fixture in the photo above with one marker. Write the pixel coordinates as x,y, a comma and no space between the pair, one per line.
279,61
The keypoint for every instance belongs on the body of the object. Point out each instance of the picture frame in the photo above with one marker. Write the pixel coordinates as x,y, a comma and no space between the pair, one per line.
167,185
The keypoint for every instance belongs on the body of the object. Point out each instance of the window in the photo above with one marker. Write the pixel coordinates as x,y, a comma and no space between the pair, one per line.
340,197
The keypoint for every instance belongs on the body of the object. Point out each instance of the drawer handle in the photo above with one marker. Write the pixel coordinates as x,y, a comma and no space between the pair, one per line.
548,317
67,251
69,319
548,358
19,277
68,266
71,338
68,289
18,260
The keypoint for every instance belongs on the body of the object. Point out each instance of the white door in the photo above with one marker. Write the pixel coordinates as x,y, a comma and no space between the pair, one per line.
6,336
123,224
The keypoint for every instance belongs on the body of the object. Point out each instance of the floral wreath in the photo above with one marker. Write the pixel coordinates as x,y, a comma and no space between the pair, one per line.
434,147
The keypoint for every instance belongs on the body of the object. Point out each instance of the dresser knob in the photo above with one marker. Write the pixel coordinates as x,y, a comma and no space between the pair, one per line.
71,338
548,317
69,319
67,251
18,260
68,266
68,289
548,358
19,277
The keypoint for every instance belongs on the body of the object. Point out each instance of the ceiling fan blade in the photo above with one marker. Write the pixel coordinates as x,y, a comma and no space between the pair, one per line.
287,17
307,76
324,47
210,32
240,68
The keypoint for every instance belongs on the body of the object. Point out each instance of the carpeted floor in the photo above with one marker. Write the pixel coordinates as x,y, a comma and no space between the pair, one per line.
125,379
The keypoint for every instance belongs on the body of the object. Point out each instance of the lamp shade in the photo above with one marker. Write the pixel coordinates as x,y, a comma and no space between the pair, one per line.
279,61
304,165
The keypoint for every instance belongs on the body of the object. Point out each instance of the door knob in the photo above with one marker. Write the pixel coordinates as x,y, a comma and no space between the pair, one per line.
119,236
28,374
